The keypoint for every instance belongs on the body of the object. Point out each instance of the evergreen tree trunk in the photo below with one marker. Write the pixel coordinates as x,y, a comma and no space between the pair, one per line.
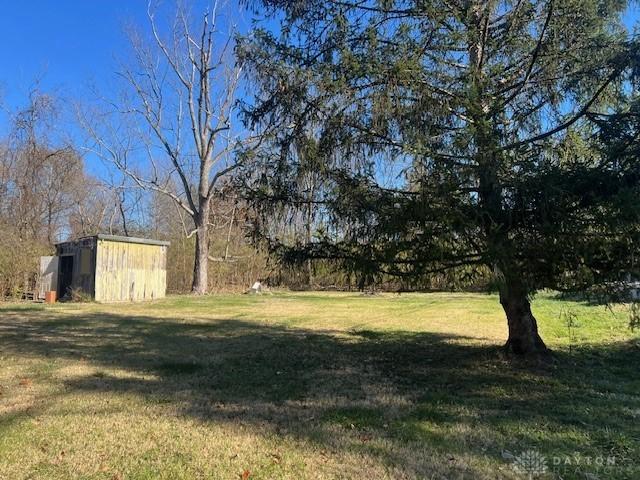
523,328
201,263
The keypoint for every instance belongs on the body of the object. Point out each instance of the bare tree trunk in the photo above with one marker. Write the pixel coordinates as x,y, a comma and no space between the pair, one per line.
523,327
308,240
123,215
226,248
201,263
50,224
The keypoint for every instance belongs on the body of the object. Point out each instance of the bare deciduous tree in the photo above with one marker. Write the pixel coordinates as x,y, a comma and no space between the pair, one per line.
178,112
39,173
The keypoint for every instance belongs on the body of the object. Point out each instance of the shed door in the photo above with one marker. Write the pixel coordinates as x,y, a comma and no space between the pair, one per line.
48,275
65,275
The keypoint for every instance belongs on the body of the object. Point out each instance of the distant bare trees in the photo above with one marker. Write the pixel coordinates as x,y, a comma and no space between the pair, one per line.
42,187
39,175
173,131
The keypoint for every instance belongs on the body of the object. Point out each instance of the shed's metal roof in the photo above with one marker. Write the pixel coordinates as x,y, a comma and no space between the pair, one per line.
121,238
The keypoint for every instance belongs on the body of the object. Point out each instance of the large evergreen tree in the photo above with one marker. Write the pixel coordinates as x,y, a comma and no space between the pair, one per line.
485,114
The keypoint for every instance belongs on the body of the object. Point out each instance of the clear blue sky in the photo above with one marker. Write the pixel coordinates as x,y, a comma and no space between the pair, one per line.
73,42
69,41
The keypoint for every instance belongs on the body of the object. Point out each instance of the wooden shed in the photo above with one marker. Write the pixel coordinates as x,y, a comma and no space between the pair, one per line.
111,268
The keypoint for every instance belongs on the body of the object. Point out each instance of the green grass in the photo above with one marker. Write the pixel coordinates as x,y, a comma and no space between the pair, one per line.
313,385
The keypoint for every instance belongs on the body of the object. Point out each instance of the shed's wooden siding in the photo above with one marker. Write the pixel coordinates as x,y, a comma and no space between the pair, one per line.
130,271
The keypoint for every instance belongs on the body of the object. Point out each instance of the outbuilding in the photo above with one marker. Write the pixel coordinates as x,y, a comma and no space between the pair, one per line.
109,268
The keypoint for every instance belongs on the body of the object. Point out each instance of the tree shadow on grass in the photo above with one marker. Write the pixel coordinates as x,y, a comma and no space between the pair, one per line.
416,402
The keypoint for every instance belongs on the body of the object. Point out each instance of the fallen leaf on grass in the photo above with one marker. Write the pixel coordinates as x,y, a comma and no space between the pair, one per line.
25,382
245,475
59,458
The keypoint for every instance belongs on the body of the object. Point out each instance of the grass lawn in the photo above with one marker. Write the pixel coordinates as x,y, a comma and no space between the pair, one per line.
310,385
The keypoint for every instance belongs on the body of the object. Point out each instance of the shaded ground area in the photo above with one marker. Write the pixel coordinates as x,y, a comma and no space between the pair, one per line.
281,388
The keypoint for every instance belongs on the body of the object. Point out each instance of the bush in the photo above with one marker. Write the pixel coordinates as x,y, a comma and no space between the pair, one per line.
19,263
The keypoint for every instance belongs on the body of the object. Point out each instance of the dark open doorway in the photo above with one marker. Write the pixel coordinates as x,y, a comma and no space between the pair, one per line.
65,275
